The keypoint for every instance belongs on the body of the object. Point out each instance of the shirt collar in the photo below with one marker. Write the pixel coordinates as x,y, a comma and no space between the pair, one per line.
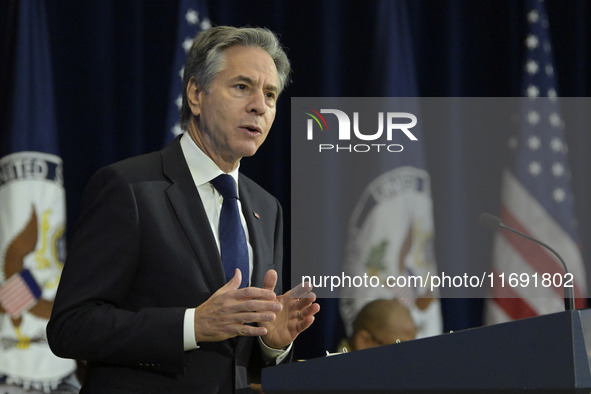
203,169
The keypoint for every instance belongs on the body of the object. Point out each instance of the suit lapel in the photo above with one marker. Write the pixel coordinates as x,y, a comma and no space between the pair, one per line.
189,211
250,215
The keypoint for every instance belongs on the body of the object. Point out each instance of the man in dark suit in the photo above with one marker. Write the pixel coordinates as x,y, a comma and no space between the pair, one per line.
144,297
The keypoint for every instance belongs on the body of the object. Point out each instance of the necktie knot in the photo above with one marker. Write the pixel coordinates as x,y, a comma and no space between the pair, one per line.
225,185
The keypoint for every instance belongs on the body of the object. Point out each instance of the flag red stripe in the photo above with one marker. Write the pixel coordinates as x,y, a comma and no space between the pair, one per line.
536,256
515,308
511,303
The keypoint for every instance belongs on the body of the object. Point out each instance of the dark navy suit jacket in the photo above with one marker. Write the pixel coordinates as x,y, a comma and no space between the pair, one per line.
142,252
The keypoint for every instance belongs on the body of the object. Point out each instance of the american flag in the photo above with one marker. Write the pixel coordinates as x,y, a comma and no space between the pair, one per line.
19,293
536,196
192,18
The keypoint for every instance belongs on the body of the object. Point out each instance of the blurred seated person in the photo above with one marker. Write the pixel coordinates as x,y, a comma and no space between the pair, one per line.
381,322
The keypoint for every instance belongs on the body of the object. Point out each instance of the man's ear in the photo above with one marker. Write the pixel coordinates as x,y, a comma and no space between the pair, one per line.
193,96
362,340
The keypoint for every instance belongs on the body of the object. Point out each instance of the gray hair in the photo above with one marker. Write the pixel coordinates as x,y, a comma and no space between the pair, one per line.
206,57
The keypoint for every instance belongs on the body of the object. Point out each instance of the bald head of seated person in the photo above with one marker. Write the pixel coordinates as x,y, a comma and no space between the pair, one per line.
382,322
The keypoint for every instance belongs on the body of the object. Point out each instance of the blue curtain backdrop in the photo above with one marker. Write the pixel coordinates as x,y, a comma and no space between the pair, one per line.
112,64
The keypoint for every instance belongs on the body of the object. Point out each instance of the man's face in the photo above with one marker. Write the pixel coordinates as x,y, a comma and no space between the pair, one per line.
236,115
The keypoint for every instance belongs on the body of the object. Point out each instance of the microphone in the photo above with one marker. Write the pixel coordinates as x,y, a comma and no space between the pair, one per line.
493,222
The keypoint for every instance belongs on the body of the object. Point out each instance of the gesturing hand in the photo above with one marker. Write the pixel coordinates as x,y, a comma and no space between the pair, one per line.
296,315
223,315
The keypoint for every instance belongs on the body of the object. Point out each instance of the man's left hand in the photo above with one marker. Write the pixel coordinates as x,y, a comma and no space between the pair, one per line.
297,314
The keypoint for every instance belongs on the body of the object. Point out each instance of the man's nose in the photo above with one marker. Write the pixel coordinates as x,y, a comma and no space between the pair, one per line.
257,103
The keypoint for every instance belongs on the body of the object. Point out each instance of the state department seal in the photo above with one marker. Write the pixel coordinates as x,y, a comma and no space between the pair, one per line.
391,234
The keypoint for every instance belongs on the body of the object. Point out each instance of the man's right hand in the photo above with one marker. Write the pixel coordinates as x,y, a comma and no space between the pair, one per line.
223,315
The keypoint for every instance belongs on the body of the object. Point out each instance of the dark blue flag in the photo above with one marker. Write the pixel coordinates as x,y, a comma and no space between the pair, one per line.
378,245
192,18
32,212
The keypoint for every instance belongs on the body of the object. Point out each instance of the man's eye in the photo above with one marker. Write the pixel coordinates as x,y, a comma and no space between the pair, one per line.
241,86
271,95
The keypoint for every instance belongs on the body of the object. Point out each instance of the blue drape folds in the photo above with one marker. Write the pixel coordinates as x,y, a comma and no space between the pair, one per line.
112,63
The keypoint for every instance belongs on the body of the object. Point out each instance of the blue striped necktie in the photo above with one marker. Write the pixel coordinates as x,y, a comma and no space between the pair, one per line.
232,239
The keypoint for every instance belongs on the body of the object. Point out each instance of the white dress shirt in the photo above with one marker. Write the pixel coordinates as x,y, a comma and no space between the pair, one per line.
203,170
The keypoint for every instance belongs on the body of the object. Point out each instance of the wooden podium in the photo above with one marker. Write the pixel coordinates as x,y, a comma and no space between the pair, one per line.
545,354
